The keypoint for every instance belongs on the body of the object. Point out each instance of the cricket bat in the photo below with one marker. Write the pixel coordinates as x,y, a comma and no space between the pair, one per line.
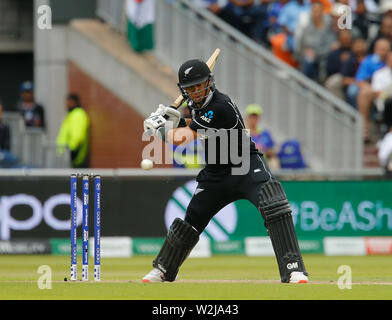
211,64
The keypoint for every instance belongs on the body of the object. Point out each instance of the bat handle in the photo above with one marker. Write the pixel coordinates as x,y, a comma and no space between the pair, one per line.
148,132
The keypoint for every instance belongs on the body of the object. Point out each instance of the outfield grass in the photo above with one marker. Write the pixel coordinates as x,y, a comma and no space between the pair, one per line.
221,277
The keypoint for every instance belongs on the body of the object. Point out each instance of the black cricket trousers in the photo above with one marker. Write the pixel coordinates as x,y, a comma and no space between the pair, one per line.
214,191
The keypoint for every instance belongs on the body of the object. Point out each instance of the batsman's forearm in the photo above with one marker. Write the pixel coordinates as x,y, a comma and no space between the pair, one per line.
180,136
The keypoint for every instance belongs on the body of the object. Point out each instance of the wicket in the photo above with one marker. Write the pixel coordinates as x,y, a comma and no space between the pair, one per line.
85,226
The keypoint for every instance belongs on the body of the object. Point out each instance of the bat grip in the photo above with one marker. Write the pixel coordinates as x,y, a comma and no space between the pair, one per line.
148,132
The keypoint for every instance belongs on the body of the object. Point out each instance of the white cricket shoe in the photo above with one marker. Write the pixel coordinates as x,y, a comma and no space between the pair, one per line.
155,275
298,277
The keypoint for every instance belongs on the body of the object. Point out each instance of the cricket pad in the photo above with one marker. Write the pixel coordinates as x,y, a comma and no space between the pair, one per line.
180,241
276,211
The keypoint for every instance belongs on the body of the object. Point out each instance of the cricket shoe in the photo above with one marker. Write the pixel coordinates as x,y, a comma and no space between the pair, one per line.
298,277
155,275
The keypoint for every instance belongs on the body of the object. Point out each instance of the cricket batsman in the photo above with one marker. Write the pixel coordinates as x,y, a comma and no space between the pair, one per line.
218,184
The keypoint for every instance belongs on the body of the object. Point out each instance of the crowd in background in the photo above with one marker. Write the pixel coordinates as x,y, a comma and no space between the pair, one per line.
344,45
33,115
73,135
340,44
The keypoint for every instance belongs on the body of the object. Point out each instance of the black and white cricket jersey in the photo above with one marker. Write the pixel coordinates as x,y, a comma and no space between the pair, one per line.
221,115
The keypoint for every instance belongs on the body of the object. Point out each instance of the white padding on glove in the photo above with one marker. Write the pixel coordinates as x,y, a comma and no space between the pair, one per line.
172,115
160,111
152,123
163,117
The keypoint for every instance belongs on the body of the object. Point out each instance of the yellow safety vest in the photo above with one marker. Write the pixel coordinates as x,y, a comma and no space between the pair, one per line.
74,133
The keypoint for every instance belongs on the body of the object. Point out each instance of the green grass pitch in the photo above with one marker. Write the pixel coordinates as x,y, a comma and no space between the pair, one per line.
216,278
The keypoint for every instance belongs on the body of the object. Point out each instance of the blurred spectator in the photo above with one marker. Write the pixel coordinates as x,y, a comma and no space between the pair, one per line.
304,18
280,50
382,83
367,68
273,13
33,113
385,31
7,158
361,20
288,18
348,3
74,133
241,14
281,37
262,138
4,132
335,60
215,6
338,11
314,43
327,5
248,16
365,74
261,27
337,57
349,70
386,8
385,145
372,6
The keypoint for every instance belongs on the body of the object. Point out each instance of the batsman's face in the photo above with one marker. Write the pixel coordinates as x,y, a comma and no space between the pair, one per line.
198,92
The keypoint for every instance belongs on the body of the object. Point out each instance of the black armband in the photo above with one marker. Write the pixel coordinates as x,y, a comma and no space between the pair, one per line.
182,123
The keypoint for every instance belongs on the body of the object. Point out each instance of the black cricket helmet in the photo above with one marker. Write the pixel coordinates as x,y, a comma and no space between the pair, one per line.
193,72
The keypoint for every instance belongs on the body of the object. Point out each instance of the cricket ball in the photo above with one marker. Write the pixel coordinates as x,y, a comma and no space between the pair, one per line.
146,164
